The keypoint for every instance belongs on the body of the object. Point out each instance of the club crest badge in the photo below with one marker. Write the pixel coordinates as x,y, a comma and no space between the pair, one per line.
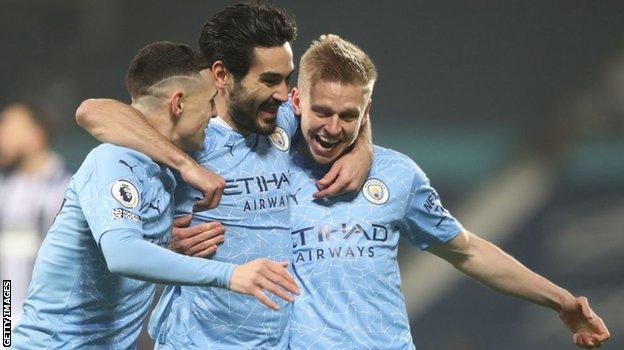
375,191
125,193
279,138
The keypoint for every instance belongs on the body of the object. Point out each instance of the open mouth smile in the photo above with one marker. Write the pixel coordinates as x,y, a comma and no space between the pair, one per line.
326,142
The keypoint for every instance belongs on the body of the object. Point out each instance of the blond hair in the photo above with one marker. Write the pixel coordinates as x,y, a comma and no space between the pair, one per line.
333,59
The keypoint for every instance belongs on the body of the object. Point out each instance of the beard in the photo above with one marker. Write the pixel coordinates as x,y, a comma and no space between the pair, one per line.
245,109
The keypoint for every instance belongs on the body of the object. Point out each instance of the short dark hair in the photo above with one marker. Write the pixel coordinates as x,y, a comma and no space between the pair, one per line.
232,34
158,61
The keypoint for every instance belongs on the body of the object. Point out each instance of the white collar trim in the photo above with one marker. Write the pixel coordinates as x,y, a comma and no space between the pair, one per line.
221,122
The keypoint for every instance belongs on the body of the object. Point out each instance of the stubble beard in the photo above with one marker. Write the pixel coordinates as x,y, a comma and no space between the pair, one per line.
245,110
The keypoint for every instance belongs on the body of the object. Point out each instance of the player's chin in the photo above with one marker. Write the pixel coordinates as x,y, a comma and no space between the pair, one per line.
266,126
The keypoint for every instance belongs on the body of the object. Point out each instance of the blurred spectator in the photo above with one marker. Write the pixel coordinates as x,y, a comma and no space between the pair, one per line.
32,181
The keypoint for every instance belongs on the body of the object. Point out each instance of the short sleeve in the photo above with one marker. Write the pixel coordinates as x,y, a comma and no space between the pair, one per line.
426,220
286,118
111,197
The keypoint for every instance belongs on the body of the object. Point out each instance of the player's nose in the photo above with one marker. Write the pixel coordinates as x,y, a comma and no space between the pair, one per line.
332,126
281,93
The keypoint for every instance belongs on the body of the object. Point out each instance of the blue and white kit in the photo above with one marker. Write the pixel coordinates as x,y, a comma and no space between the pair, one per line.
345,253
113,227
255,209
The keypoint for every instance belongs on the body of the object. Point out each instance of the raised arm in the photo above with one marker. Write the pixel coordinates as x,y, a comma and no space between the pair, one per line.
493,267
349,172
118,123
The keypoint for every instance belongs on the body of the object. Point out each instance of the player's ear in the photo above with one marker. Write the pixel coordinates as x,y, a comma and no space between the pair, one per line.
221,75
296,100
177,103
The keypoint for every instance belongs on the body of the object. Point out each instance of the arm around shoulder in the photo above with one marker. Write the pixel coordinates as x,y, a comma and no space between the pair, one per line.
115,122
118,123
106,118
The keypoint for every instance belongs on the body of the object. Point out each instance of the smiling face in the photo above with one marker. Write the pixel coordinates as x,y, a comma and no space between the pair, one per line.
331,116
336,80
254,99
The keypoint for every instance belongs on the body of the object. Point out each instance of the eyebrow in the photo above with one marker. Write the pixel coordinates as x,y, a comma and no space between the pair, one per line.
348,113
275,75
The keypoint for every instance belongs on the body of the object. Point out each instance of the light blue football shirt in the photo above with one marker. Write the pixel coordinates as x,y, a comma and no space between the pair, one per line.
73,301
255,209
345,253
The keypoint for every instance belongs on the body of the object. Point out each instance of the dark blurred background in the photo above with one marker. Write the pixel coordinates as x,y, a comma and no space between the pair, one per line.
515,110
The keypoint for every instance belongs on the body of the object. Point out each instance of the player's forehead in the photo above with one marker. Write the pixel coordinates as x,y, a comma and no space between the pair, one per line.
337,95
277,60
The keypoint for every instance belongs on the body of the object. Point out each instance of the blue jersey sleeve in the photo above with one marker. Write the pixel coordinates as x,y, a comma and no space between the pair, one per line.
126,253
110,196
287,119
426,221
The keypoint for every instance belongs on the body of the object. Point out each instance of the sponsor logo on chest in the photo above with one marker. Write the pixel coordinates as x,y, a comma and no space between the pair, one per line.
342,241
262,191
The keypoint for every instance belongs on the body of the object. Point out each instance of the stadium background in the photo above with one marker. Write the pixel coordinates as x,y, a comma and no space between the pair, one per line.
514,109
